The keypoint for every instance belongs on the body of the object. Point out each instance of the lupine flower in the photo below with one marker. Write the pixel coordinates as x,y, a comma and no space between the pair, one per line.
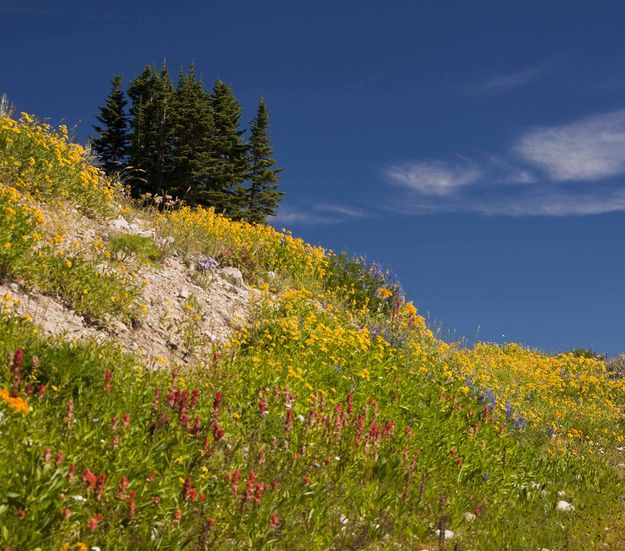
207,264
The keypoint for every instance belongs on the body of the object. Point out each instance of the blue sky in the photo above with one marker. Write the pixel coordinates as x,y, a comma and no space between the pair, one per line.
477,148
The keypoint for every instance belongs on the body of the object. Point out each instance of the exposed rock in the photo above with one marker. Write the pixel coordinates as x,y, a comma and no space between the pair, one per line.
120,224
232,274
448,535
165,328
564,506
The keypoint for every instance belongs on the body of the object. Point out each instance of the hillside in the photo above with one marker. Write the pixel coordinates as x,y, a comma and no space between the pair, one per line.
174,379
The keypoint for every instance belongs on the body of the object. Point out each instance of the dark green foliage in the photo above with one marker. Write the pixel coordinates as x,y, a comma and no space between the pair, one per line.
224,167
111,145
192,127
152,96
187,142
263,195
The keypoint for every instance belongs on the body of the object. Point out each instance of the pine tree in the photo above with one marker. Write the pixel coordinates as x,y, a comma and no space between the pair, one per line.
263,196
192,128
223,166
111,144
152,95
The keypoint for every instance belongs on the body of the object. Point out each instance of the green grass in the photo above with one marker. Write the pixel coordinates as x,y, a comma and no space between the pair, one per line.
126,247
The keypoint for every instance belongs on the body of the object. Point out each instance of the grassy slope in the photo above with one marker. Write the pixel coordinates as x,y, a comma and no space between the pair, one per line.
335,420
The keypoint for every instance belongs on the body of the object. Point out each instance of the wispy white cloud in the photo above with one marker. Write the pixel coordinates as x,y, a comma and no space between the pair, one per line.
566,170
537,201
590,149
341,211
545,202
433,177
317,214
516,79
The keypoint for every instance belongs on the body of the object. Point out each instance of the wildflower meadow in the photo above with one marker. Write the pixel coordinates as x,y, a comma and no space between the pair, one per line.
333,419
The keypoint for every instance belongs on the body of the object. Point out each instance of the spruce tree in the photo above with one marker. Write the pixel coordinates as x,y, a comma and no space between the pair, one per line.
263,196
223,165
192,129
152,95
111,144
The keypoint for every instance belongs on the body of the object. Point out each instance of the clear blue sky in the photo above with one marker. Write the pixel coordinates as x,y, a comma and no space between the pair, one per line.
477,148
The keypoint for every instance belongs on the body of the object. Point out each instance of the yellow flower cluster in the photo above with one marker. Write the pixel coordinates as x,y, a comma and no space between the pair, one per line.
315,349
16,404
573,395
37,159
245,242
19,220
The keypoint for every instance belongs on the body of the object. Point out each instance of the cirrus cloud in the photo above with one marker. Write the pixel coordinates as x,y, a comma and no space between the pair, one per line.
590,149
433,177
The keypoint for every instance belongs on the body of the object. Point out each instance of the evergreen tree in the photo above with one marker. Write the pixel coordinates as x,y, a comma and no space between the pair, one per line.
192,128
152,95
111,144
223,166
263,196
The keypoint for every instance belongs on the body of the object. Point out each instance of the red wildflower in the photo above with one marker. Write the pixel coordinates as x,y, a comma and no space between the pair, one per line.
47,455
262,408
218,432
258,491
177,515
58,459
100,486
94,521
274,521
195,398
89,478
108,375
217,401
156,500
21,514
125,420
288,421
71,472
236,475
132,508
123,486
66,513
150,476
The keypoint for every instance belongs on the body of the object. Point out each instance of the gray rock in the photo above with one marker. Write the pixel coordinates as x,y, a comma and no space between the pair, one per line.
232,274
120,327
184,293
120,224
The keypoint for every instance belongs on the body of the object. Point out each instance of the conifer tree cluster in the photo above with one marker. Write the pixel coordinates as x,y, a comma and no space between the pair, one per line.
186,141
